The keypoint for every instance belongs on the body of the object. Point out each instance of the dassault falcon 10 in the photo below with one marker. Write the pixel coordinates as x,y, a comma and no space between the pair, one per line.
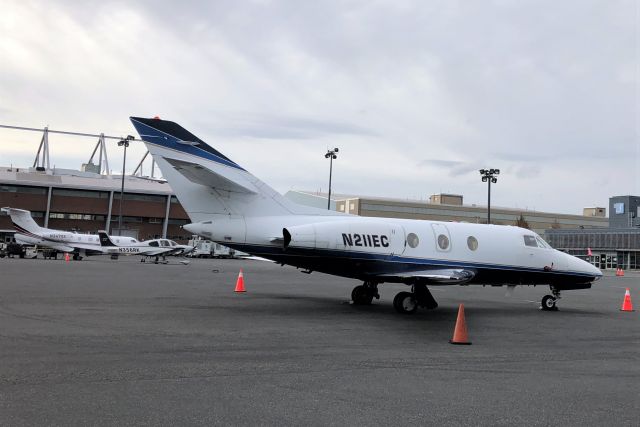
229,205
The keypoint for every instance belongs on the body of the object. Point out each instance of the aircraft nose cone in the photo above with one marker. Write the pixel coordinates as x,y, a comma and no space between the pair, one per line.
192,228
596,271
577,264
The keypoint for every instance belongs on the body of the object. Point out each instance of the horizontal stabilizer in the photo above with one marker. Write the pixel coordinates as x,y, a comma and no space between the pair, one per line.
201,175
450,276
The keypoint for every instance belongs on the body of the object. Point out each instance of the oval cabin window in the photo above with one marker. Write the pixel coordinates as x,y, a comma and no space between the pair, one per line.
472,242
443,242
412,240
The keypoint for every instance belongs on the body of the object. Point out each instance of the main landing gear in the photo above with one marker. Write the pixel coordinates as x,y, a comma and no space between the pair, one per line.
548,302
365,293
404,302
408,302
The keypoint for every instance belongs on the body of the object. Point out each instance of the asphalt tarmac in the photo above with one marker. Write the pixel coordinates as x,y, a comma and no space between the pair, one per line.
103,342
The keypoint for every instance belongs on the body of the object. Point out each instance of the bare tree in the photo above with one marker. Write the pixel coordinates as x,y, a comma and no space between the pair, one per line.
521,222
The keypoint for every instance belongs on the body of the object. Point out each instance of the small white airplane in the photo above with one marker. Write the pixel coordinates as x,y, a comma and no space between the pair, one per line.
28,232
148,248
230,206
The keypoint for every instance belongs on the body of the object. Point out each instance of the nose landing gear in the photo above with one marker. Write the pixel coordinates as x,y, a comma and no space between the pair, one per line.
548,302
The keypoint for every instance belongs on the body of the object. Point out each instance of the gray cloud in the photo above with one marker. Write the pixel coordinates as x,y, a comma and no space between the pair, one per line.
269,126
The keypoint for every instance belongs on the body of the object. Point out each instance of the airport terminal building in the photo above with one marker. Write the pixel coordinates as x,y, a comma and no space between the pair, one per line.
617,246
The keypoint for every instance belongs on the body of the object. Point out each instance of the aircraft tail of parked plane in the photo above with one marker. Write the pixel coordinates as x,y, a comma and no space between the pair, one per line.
23,221
28,232
232,207
209,184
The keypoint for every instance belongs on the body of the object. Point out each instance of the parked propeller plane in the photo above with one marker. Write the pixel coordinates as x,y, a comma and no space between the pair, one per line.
148,248
230,206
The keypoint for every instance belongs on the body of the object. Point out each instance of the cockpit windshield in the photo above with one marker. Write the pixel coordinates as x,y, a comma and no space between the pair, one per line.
542,243
535,242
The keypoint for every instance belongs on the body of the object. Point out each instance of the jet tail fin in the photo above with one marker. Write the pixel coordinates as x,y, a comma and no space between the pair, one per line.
105,240
22,221
208,183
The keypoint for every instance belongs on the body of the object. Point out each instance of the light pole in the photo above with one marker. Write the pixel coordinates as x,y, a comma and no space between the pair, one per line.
488,176
331,154
123,142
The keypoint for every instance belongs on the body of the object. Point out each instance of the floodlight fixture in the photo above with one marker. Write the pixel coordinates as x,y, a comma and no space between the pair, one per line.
488,176
331,155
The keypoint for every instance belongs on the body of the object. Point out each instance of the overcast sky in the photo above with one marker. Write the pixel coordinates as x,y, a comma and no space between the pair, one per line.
417,95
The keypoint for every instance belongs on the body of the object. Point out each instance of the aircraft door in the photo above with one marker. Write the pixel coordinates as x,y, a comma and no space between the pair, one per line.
397,240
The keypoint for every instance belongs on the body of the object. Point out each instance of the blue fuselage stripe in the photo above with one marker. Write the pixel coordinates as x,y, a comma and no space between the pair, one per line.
266,250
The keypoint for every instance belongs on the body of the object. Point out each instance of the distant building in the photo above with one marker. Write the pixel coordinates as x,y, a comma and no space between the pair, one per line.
615,247
599,212
623,211
449,208
446,199
87,202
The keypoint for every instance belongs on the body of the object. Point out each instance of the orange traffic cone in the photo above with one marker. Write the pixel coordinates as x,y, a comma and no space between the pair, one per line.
460,331
240,283
626,304
617,272
621,272
66,256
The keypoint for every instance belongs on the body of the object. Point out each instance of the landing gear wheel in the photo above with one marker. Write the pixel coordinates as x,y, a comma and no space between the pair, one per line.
361,296
548,303
405,303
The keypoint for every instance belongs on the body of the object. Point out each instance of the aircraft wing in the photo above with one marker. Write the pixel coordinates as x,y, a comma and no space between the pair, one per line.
448,276
255,258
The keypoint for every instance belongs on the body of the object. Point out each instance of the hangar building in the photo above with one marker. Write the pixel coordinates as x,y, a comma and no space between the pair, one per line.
88,202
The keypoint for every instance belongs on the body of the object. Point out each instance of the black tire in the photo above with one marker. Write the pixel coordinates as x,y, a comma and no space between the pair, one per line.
360,296
405,303
548,303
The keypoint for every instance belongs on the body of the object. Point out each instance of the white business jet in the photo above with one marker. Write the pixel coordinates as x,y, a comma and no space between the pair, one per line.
230,206
28,232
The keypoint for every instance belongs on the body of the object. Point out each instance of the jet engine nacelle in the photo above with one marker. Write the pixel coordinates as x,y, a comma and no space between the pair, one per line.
354,235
